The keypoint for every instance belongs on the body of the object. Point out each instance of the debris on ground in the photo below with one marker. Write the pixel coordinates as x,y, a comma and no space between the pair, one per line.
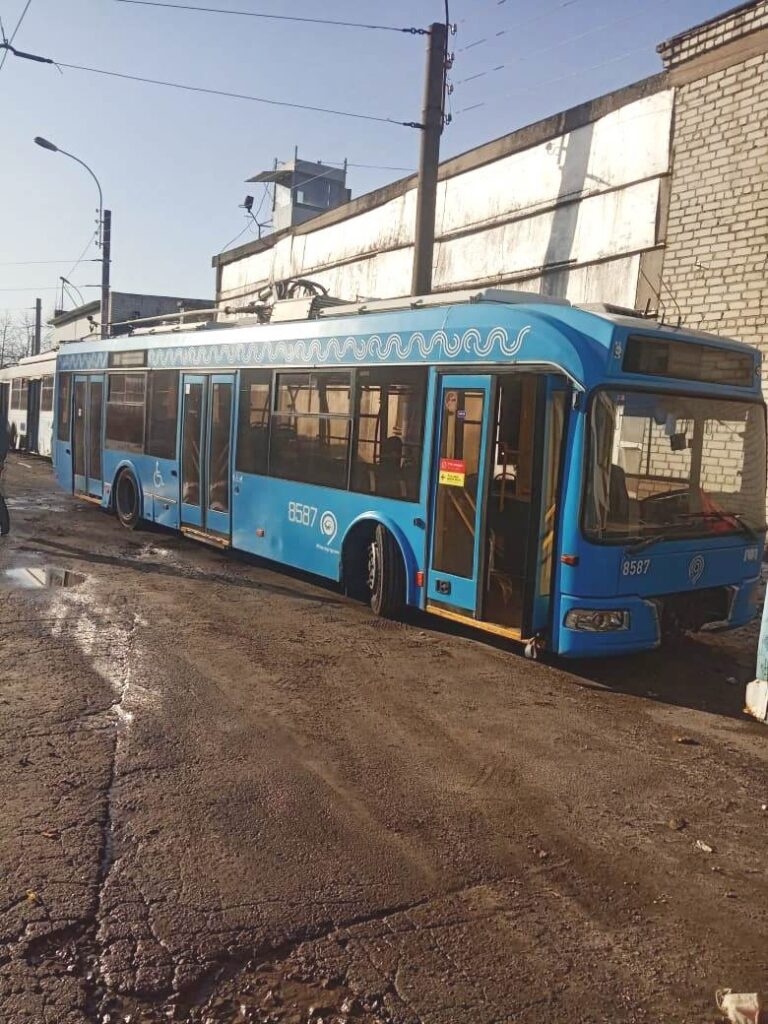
757,700
739,1007
704,847
677,824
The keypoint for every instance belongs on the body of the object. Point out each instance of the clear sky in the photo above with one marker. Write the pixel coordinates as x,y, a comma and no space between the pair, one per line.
172,164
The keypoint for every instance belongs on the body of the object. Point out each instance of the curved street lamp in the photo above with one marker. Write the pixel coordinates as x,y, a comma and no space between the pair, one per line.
105,232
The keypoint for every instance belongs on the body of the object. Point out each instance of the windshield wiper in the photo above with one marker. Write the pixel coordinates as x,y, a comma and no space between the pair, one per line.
645,542
734,518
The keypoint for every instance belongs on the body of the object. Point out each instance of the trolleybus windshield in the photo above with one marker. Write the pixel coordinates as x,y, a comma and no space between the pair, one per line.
674,466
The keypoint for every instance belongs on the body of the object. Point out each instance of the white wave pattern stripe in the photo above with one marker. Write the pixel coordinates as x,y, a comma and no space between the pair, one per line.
416,347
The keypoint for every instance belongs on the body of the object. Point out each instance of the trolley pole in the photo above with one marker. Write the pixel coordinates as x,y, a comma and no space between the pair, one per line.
106,255
429,158
38,327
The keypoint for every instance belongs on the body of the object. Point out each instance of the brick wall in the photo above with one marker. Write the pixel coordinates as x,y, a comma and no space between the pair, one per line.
716,256
730,26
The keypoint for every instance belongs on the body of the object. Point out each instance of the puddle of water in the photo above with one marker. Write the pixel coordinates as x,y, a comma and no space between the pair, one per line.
33,577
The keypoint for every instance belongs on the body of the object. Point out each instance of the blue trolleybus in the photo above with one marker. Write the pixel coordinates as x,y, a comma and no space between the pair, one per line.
581,479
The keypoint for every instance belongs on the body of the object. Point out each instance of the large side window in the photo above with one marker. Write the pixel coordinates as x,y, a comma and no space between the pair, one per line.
65,406
125,411
46,394
162,410
310,428
19,389
253,421
389,432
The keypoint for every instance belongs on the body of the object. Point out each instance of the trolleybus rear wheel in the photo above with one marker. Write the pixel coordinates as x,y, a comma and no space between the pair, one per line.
385,575
127,500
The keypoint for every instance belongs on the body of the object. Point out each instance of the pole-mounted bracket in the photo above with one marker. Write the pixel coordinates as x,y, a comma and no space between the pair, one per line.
25,56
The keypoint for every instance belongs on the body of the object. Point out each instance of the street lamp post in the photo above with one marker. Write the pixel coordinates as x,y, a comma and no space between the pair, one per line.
105,233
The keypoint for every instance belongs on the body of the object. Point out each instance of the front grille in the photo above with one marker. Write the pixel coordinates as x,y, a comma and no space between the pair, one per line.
693,610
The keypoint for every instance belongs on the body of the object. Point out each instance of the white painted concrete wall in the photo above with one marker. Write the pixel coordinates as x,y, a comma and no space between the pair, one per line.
589,199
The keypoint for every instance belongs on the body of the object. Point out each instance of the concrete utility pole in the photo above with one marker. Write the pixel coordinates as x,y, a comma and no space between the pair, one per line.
429,158
106,256
38,327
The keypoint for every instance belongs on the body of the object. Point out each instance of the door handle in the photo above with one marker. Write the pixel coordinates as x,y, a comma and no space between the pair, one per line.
67,451
174,473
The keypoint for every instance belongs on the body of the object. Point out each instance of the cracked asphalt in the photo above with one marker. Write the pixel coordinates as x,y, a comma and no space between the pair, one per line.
229,794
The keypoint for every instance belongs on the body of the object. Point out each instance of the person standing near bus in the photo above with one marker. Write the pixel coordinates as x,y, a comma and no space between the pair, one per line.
5,519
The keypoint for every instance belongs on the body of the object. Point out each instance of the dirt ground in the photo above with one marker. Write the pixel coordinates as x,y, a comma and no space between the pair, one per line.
229,794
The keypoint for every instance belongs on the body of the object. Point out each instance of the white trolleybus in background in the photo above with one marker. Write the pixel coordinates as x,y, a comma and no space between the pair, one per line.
580,479
26,402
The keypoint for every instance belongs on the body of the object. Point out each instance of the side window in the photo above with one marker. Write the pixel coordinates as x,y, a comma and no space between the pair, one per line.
65,405
311,427
125,411
46,394
253,422
389,432
19,393
162,409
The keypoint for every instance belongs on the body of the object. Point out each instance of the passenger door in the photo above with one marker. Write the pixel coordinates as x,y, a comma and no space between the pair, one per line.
33,416
218,511
556,396
206,453
95,417
459,484
87,415
79,417
192,446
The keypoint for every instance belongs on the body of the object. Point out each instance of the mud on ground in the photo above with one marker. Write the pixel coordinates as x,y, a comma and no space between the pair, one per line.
229,794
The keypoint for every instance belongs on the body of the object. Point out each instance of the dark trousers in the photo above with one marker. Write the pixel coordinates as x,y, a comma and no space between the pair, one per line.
5,519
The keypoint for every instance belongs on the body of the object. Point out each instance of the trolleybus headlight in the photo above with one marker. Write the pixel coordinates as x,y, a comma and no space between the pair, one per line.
597,621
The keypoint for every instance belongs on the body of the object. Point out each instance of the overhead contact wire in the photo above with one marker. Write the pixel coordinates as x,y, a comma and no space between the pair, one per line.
278,17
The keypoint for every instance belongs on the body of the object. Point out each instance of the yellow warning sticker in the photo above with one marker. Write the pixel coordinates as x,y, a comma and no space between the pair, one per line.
452,472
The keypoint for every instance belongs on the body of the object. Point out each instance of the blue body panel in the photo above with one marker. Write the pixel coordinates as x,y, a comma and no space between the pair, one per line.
62,463
305,526
598,583
157,480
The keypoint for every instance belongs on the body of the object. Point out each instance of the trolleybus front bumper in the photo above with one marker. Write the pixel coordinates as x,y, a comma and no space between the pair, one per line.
600,627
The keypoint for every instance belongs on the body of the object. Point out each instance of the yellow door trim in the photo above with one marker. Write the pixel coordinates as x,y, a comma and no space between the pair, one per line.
488,627
206,538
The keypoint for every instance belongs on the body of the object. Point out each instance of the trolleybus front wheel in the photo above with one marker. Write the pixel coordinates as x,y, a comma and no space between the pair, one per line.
127,503
385,575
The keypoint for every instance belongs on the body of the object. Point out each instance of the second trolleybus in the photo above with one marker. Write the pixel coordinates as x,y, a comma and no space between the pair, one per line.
26,402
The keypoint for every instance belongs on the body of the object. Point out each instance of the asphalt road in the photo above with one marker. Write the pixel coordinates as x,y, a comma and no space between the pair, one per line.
229,794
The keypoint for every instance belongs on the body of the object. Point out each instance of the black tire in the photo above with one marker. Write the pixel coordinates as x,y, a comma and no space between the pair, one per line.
127,500
5,519
385,575
354,570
